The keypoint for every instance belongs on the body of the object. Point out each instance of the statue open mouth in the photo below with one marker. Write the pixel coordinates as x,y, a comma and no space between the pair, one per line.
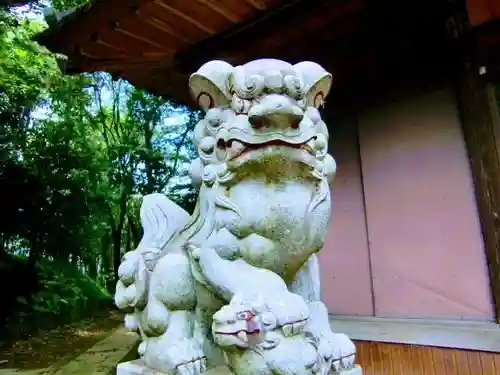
236,148
241,333
280,143
244,336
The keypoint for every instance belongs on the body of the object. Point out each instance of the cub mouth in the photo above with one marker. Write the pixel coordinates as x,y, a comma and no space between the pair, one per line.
243,334
238,333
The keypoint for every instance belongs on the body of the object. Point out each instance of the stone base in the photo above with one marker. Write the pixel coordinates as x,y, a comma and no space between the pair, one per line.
138,368
356,370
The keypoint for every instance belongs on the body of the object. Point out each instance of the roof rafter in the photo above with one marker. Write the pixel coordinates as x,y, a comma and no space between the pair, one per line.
246,33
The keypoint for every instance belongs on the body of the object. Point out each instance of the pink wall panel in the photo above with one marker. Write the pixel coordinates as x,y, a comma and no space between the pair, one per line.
344,260
425,241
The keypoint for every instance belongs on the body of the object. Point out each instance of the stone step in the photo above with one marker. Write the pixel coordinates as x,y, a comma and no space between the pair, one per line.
102,358
138,368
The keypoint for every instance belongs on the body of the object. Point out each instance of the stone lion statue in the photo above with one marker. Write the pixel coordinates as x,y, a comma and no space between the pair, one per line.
237,282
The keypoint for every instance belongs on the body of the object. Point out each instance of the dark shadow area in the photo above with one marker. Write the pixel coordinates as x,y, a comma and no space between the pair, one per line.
58,346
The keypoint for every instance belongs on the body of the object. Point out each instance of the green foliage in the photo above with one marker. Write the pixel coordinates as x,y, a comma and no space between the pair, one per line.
65,295
65,290
61,5
77,153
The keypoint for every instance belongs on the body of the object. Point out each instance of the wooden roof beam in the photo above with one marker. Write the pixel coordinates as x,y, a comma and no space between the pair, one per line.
257,4
162,26
222,10
247,33
184,16
172,23
332,21
78,29
144,39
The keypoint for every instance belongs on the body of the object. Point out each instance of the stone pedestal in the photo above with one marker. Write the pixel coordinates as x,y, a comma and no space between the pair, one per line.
138,368
356,370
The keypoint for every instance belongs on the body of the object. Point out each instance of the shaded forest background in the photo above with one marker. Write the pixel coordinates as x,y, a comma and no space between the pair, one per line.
77,154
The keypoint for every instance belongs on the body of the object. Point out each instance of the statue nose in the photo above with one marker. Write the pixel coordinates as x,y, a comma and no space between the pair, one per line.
275,112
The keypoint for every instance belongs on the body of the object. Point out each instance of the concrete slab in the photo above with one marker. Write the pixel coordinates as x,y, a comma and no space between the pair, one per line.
356,370
103,357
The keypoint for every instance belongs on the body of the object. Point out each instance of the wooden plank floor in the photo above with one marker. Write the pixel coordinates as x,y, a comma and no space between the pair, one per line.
396,359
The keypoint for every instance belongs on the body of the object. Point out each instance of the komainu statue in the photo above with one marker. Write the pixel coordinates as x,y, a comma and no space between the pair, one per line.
235,288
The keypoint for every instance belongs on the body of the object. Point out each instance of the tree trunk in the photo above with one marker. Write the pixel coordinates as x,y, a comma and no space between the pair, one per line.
92,269
34,250
128,244
134,230
148,136
117,234
117,252
105,261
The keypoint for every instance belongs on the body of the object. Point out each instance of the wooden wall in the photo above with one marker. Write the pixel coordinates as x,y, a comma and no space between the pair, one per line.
403,205
421,211
396,359
345,259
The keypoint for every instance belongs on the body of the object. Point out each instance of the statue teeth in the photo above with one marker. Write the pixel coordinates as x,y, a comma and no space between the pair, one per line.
242,335
287,330
307,148
298,327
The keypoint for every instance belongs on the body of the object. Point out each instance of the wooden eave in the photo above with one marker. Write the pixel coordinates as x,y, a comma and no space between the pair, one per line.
482,11
129,38
156,44
484,16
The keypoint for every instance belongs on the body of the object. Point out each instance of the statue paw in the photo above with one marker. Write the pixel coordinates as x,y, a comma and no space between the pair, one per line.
183,357
343,363
338,348
131,322
187,358
194,367
293,329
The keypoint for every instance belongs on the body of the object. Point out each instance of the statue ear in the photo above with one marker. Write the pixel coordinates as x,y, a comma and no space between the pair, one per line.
316,95
237,299
258,305
316,82
209,85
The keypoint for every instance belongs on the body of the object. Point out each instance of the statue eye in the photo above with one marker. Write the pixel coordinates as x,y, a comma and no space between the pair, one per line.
245,315
207,145
213,117
240,105
293,87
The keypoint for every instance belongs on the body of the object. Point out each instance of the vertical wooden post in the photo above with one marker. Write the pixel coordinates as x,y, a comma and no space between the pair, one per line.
481,131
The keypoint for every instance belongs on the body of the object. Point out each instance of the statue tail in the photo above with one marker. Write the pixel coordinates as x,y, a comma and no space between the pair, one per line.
161,220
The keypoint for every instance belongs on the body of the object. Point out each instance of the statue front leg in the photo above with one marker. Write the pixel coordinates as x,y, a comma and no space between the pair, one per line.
335,347
171,313
208,304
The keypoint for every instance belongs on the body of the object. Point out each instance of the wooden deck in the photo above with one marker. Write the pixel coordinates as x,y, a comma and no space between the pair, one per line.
396,359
